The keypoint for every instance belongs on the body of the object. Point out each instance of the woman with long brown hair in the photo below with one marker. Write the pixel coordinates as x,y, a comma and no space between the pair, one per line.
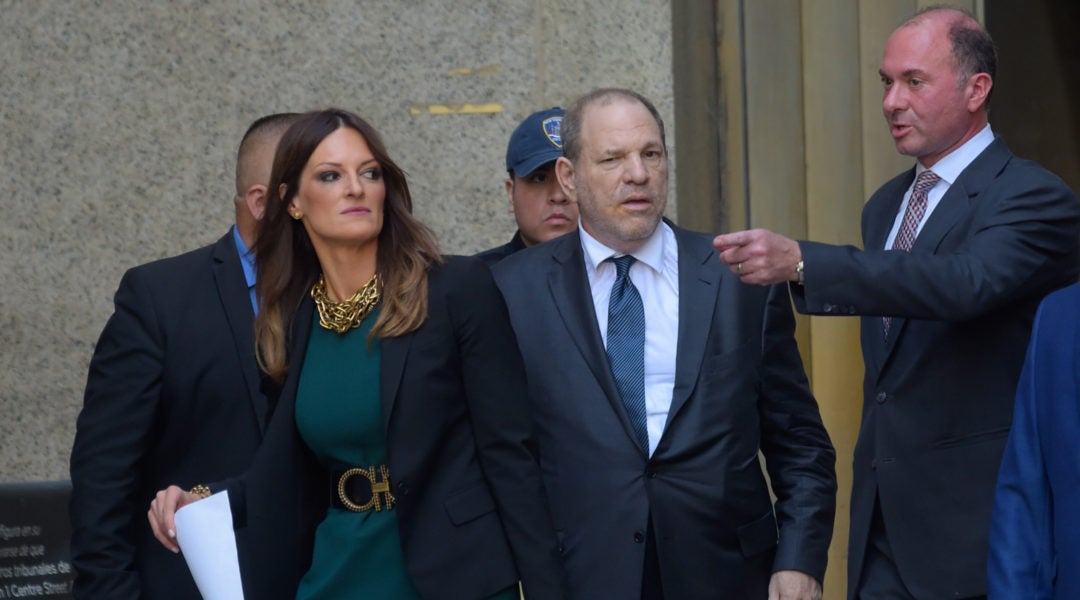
400,461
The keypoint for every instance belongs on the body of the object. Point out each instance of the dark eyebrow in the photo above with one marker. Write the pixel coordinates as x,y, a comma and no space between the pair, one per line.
338,165
908,74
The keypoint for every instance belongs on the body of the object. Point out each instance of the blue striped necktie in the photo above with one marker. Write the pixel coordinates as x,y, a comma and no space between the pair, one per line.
626,345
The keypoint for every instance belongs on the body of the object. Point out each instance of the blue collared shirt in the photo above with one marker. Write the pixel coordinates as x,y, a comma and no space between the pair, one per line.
247,262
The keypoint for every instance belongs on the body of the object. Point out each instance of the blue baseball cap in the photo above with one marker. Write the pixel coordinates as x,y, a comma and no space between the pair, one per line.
535,142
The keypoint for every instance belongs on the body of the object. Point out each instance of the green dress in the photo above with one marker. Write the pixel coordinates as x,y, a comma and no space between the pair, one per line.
339,416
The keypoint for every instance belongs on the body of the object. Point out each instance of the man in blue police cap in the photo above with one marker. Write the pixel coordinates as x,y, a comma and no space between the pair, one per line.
542,210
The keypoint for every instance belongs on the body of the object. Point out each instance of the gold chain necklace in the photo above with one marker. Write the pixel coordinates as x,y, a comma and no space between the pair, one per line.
347,314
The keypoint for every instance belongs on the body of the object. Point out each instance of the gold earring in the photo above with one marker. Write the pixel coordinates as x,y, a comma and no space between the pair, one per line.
297,216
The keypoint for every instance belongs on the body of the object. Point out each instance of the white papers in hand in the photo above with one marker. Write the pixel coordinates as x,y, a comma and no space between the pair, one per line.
204,531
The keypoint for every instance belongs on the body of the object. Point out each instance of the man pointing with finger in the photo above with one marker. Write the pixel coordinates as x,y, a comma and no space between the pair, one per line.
958,251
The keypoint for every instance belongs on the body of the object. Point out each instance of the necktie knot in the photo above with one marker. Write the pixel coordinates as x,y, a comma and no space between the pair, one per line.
926,180
622,265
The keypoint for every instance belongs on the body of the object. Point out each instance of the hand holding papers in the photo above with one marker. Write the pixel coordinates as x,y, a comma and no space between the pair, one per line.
204,530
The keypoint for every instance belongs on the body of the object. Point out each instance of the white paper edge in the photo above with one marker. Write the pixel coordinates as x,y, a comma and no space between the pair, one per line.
204,532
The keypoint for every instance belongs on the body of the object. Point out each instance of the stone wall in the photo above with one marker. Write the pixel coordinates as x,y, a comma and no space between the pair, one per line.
119,121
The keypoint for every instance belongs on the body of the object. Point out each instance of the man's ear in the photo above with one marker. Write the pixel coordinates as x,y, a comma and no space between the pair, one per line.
979,87
510,192
564,170
255,199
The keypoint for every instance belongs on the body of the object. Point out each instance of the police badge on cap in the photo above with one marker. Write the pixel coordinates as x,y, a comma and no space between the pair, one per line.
535,142
551,130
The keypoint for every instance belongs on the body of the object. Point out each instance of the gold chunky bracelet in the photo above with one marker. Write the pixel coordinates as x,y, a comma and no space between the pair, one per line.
201,491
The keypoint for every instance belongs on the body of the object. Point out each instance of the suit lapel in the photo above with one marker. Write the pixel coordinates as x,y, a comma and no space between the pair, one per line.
569,286
235,299
956,203
878,223
395,351
961,195
699,281
953,206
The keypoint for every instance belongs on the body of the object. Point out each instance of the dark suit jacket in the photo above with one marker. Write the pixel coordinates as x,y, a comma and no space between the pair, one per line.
739,388
1035,529
938,396
492,256
471,508
172,397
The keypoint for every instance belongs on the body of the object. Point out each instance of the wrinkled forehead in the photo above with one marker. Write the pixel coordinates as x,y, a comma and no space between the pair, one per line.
919,47
618,120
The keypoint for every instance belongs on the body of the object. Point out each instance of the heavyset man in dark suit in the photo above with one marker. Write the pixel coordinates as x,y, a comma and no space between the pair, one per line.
650,413
998,234
172,395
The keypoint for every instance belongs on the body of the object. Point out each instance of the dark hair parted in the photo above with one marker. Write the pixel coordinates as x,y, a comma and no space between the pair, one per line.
285,259
570,130
973,49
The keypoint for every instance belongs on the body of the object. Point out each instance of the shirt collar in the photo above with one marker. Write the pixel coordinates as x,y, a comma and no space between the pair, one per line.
651,252
247,257
952,164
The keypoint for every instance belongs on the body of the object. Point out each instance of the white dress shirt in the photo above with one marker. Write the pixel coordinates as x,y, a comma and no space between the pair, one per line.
655,274
948,168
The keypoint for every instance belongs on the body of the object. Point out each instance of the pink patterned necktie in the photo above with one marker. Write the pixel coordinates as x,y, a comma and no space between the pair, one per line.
916,208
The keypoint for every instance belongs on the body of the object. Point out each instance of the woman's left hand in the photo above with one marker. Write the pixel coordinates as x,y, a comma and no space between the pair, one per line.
162,514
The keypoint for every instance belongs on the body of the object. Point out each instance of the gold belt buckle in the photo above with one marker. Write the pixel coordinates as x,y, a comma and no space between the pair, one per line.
377,487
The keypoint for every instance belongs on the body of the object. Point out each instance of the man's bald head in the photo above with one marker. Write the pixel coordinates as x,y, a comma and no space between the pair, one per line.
973,49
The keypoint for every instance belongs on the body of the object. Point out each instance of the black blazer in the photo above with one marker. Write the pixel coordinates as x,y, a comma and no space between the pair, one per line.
471,508
938,395
739,388
172,396
492,256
